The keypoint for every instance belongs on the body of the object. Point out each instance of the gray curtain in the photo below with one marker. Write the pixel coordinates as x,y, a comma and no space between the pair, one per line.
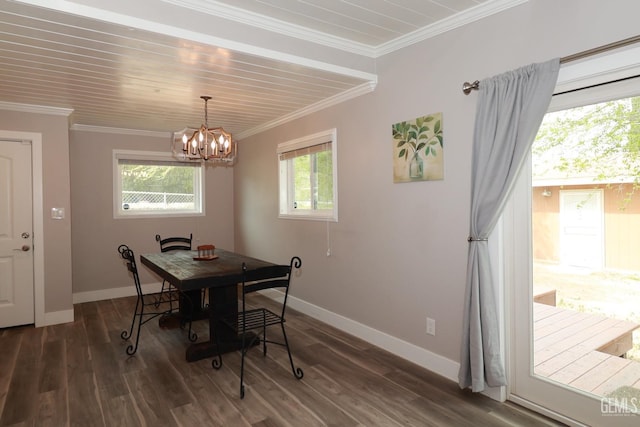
510,108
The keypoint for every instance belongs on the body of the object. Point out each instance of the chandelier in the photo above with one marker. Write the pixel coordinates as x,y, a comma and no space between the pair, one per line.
205,143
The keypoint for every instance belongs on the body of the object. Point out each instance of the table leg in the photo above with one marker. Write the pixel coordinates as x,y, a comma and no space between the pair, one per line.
223,301
192,309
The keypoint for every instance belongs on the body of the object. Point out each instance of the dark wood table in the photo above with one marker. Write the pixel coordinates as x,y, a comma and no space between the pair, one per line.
220,276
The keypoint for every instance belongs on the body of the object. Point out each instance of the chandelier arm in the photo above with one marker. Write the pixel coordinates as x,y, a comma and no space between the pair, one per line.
197,146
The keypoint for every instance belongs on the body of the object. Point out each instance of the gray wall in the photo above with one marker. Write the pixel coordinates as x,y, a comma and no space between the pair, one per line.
96,234
399,251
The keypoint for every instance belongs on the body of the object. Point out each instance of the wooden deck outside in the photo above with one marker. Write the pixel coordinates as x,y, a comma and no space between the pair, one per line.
584,350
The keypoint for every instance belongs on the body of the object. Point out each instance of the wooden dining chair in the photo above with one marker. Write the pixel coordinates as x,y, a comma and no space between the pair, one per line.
252,323
149,305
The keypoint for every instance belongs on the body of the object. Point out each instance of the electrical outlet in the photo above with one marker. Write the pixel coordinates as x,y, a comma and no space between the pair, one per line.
431,326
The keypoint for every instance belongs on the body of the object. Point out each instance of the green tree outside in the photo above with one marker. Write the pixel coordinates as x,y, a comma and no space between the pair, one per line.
600,141
314,188
157,178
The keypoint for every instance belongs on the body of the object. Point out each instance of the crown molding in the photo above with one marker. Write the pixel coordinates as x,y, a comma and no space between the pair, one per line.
120,131
104,15
325,103
334,100
236,14
38,109
468,16
257,20
242,16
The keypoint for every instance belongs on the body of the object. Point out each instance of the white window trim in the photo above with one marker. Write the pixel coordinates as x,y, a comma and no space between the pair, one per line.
118,213
329,135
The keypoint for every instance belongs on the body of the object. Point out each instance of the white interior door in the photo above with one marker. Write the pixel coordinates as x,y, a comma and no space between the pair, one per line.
16,235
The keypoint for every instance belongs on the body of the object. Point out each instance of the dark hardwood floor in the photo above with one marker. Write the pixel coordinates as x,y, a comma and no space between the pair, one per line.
78,374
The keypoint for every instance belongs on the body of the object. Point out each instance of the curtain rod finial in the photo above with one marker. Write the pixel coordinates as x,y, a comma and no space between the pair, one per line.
468,87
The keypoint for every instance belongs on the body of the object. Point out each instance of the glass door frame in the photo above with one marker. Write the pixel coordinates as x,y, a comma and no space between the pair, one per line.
570,406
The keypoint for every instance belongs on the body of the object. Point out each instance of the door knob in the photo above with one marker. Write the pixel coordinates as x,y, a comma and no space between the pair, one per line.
24,248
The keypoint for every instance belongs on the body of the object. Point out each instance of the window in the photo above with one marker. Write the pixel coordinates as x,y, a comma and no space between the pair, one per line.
308,178
149,184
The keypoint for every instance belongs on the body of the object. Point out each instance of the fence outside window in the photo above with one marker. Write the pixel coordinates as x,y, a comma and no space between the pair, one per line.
145,200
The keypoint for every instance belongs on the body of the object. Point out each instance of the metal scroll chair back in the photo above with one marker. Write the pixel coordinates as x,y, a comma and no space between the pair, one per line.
174,243
128,255
257,320
148,306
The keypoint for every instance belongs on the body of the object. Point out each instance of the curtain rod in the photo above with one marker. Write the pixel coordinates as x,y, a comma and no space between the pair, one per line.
468,87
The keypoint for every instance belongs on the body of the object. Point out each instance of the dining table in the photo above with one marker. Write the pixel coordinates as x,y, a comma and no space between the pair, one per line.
220,273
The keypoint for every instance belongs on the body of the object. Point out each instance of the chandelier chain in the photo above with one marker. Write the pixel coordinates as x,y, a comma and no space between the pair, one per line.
206,110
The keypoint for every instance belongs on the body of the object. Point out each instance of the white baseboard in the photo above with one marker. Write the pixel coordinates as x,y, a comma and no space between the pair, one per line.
103,294
57,317
420,356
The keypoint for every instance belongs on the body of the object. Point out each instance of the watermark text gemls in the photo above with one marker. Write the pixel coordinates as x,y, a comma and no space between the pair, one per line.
615,406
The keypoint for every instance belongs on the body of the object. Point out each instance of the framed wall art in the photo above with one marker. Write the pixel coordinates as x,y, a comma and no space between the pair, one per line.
418,150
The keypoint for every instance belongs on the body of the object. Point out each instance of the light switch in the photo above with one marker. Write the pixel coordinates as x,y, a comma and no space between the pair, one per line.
57,213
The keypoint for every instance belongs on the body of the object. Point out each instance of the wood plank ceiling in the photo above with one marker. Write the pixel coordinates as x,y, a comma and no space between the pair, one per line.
144,64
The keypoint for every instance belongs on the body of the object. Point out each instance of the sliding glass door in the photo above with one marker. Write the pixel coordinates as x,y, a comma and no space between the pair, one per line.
572,263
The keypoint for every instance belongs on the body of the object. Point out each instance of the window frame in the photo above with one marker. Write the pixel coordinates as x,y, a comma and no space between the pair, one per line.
285,177
159,157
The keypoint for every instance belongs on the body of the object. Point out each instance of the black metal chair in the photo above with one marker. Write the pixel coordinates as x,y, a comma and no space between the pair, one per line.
257,320
179,244
150,305
174,243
